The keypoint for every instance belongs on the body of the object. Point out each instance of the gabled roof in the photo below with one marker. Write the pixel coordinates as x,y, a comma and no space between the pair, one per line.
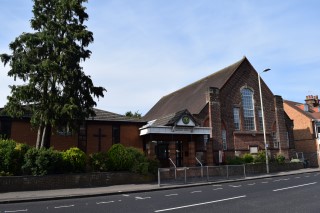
171,119
299,107
192,97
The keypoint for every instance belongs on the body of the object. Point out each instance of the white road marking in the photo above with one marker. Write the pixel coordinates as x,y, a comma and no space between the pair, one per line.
104,202
251,184
297,177
124,195
171,195
59,207
195,192
307,176
217,185
142,198
21,210
277,180
235,186
199,204
291,187
265,182
217,188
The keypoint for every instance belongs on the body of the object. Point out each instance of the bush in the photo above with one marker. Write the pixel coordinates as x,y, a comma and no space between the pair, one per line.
99,161
247,158
119,158
74,159
11,157
154,164
140,162
42,162
235,160
260,157
280,159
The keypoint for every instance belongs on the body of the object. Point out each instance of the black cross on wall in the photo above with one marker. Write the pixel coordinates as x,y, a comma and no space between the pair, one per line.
99,136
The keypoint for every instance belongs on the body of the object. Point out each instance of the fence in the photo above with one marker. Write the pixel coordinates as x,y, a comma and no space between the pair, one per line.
184,175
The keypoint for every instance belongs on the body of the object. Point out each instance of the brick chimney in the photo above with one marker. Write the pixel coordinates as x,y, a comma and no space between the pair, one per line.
312,101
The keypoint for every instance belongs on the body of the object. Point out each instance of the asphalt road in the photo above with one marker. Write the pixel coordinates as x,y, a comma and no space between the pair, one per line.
294,193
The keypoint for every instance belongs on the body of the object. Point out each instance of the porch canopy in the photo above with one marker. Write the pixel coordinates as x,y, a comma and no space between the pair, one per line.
182,123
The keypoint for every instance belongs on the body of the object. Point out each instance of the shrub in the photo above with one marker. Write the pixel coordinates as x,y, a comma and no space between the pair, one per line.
247,158
153,166
6,155
99,161
280,159
235,160
260,157
42,161
140,162
74,160
119,158
12,156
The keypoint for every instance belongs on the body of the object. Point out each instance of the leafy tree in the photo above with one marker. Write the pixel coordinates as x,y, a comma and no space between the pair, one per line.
56,90
133,115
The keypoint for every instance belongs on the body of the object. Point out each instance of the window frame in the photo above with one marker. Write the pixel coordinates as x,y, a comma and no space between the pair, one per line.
247,100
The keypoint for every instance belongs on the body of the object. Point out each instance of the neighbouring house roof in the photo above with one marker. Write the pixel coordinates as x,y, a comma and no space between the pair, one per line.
312,114
192,97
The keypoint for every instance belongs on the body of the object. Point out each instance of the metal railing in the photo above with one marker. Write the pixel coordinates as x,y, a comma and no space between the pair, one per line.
185,175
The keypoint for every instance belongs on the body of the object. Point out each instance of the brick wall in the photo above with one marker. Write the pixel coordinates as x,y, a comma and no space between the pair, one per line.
66,181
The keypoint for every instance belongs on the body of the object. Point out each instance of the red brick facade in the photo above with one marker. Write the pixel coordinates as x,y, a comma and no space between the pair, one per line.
306,139
22,132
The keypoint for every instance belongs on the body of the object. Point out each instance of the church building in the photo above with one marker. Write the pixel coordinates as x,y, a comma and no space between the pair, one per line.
217,117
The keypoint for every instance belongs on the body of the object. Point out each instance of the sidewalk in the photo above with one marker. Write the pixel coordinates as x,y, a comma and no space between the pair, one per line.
25,196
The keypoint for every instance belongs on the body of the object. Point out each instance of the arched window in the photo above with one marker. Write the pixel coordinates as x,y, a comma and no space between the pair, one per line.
248,109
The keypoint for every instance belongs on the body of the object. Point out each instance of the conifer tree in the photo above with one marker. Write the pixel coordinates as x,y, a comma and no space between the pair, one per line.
56,91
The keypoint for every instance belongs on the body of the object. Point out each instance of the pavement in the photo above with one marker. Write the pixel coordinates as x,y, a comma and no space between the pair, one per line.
28,196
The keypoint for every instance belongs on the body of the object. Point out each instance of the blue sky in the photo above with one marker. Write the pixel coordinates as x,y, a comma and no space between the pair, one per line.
145,49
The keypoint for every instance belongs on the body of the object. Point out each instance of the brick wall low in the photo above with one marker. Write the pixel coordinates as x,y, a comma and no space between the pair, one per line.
64,181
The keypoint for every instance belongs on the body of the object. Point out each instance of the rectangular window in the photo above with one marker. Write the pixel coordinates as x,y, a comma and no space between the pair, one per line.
236,118
288,140
224,139
64,130
260,120
275,140
115,134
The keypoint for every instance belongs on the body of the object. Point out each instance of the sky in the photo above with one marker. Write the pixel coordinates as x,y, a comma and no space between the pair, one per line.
146,49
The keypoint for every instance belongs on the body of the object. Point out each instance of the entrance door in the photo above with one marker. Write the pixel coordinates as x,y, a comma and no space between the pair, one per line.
162,152
179,153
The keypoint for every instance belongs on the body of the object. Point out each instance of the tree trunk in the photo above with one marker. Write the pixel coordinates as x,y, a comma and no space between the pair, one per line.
43,138
39,137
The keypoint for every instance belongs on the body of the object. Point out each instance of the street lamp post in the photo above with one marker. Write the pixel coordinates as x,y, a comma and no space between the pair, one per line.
263,121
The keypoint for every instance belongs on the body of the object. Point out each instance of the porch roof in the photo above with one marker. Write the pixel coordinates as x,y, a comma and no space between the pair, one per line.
175,130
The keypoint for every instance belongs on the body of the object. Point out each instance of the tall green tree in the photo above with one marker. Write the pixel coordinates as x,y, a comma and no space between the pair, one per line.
56,91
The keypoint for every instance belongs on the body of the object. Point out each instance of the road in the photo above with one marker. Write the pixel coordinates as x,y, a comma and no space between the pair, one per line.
294,193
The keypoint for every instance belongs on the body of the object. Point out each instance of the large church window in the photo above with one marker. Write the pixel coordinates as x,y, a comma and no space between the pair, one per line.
248,109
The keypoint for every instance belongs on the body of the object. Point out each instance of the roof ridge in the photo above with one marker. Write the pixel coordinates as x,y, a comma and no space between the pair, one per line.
238,63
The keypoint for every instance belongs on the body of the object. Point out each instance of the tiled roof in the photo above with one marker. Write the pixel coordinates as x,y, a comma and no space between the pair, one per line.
297,106
102,115
192,97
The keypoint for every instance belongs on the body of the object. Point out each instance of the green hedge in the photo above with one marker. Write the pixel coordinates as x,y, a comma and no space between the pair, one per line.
18,159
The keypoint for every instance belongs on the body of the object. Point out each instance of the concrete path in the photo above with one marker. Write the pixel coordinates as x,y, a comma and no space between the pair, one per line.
25,196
